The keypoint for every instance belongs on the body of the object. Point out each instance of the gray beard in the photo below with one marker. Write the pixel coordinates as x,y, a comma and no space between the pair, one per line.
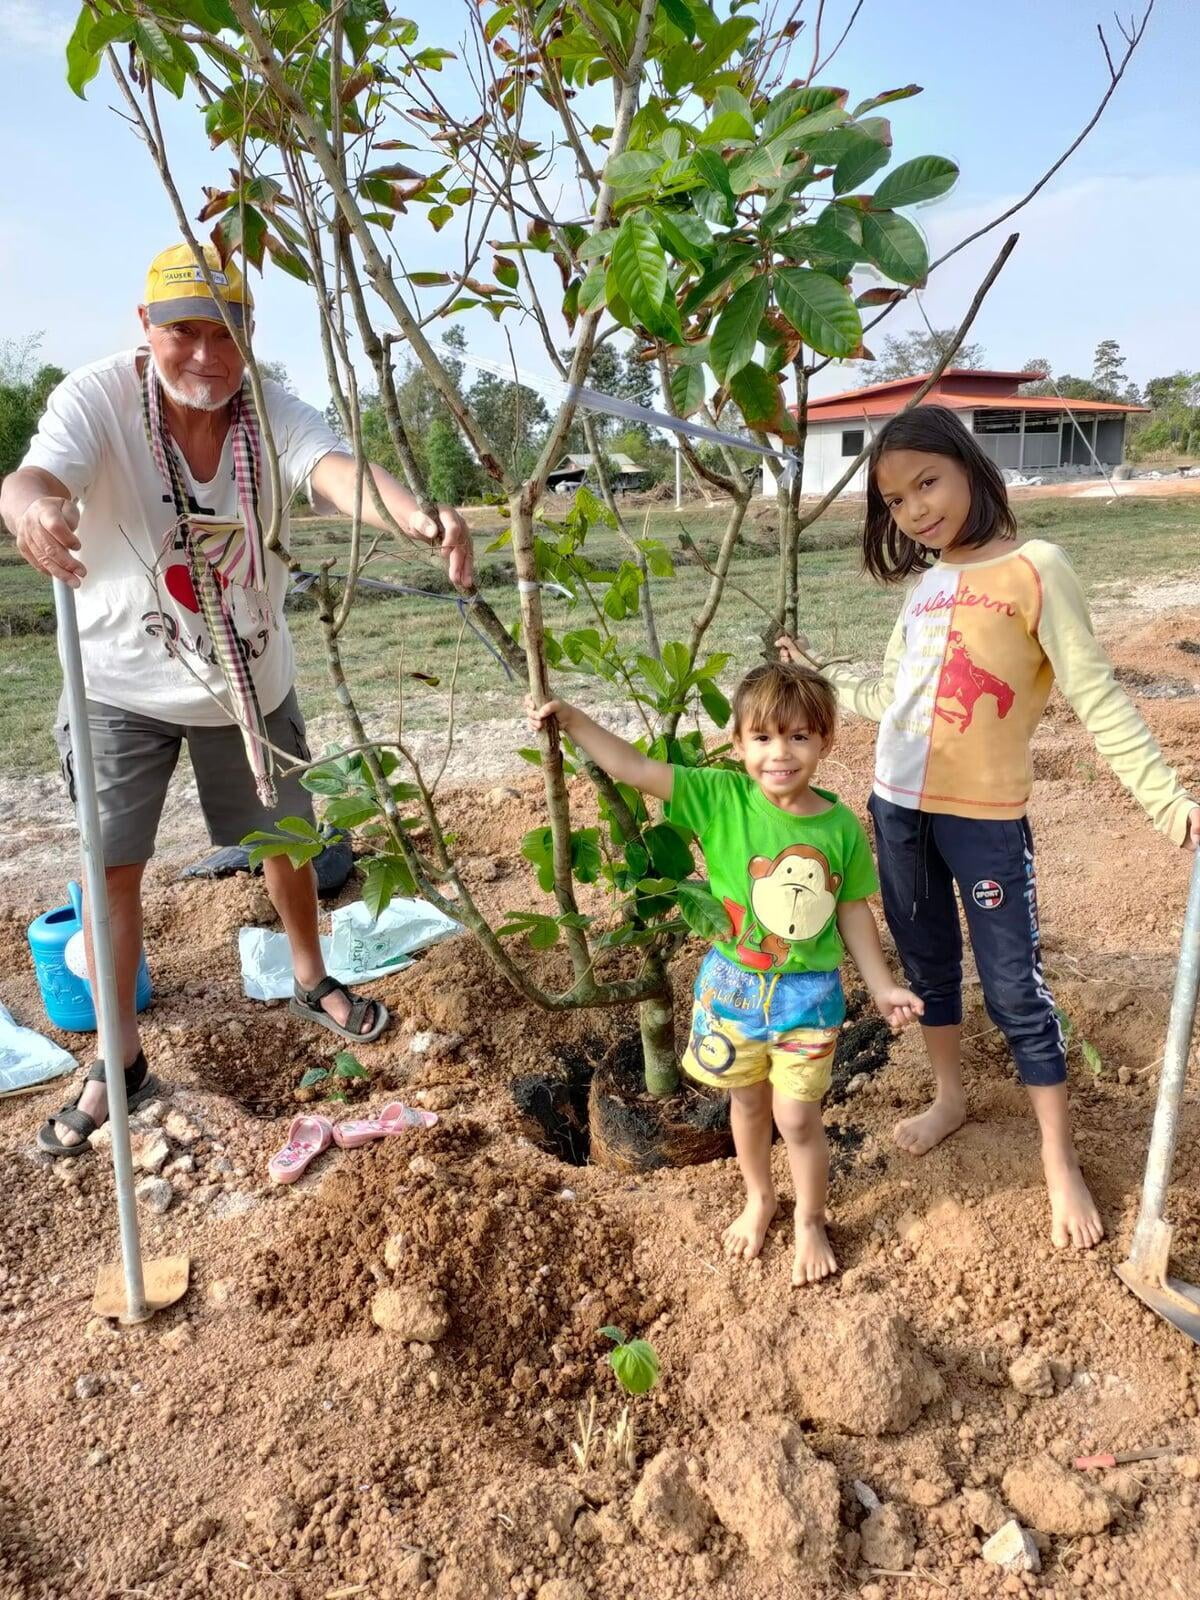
188,401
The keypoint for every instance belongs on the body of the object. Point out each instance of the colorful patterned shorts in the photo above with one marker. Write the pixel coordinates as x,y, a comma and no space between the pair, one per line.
757,1027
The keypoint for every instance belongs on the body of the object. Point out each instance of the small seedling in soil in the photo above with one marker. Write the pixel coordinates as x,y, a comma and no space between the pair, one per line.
1092,1059
634,1361
346,1079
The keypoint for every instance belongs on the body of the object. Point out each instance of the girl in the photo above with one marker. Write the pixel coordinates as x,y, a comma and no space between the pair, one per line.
990,622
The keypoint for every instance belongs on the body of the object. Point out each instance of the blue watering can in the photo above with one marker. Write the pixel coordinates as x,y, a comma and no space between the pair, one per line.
68,999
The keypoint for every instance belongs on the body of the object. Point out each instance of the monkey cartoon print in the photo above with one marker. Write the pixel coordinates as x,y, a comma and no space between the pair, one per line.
793,896
779,876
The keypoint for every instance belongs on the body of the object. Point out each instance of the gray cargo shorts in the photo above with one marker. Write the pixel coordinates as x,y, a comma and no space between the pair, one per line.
134,757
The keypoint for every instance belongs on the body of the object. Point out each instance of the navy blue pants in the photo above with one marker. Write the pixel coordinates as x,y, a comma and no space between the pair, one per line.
921,858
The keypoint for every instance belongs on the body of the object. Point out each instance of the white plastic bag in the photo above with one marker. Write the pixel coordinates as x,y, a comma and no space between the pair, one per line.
28,1058
360,947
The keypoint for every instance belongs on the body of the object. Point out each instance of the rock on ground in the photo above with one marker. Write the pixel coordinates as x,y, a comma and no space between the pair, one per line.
984,1510
1030,1374
1011,1548
887,1539
155,1194
410,1313
667,1508
853,1365
767,1486
1055,1500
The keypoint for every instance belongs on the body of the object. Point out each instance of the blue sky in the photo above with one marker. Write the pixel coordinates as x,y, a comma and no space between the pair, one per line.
1109,249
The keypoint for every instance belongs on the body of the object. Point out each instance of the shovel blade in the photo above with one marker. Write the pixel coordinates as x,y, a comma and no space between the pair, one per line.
165,1280
1170,1298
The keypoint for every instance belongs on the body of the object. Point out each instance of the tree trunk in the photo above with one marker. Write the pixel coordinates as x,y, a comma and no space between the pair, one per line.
656,1022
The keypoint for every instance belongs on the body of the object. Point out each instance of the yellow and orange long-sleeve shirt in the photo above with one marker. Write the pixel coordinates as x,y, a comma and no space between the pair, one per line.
966,677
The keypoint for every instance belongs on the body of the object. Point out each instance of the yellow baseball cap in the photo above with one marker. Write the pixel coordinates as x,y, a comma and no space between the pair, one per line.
176,290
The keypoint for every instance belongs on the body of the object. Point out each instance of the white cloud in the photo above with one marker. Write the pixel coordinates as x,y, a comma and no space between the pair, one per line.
33,25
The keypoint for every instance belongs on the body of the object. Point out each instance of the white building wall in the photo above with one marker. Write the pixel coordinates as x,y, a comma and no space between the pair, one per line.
824,462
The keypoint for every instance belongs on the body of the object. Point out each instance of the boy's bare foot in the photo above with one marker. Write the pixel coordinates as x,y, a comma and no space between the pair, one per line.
1074,1219
814,1254
918,1134
743,1238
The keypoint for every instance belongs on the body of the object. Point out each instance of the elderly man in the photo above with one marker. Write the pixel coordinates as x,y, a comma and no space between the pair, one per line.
145,489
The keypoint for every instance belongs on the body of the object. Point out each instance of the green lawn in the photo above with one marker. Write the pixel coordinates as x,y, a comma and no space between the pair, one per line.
1129,541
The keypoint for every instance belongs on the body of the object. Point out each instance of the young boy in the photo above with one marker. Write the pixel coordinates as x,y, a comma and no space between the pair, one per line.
792,865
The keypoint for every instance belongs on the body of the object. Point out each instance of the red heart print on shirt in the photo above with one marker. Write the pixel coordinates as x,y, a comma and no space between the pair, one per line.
178,581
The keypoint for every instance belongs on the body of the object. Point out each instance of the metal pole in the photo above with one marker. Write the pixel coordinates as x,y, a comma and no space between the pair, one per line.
1174,1074
678,478
104,977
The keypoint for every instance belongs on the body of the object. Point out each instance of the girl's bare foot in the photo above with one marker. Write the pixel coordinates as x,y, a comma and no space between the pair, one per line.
918,1134
1074,1219
814,1258
743,1238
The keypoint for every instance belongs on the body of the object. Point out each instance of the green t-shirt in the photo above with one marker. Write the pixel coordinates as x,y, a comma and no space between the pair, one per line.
779,876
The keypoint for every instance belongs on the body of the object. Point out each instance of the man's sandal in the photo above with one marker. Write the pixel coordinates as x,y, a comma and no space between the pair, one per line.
307,1006
139,1087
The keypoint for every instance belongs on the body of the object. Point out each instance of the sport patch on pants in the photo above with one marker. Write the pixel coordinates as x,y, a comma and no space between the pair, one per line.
748,1028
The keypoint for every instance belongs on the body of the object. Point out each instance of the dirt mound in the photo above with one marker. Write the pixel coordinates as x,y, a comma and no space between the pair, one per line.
527,1276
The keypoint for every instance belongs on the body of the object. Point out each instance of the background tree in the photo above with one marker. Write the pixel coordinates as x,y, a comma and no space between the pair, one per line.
25,386
912,355
1109,381
453,470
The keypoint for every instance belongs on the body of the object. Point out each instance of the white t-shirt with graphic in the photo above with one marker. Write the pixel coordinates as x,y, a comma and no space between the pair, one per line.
144,642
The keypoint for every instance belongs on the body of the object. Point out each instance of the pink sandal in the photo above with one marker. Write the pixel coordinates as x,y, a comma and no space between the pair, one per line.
307,1137
394,1118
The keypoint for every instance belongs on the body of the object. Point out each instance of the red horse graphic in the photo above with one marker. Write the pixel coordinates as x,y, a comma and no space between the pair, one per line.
963,681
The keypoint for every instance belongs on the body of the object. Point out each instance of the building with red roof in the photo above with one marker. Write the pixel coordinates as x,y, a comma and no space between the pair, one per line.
1029,434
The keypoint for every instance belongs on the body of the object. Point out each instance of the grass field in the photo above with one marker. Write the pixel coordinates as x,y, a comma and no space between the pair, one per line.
1111,545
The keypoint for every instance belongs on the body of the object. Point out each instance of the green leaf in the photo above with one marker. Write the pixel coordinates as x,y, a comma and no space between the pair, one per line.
686,234
506,272
439,216
593,289
351,811
538,847
733,107
714,173
887,97
677,660
714,702
633,169
924,178
83,62
1092,1057
636,1366
703,912
736,332
895,247
639,269
679,12
612,1333
756,394
598,244
687,389
861,161
385,877
347,1065
821,310
313,1077
793,105
585,854
670,853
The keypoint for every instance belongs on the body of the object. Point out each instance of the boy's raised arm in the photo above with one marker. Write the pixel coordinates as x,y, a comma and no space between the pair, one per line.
617,756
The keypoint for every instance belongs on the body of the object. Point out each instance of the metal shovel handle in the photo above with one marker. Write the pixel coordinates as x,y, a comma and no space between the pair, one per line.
104,976
1171,1083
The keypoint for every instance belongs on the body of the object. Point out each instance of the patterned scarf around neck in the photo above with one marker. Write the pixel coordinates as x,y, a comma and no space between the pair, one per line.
222,558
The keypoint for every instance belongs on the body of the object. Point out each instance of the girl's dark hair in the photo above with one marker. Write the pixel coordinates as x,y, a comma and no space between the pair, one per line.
890,555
